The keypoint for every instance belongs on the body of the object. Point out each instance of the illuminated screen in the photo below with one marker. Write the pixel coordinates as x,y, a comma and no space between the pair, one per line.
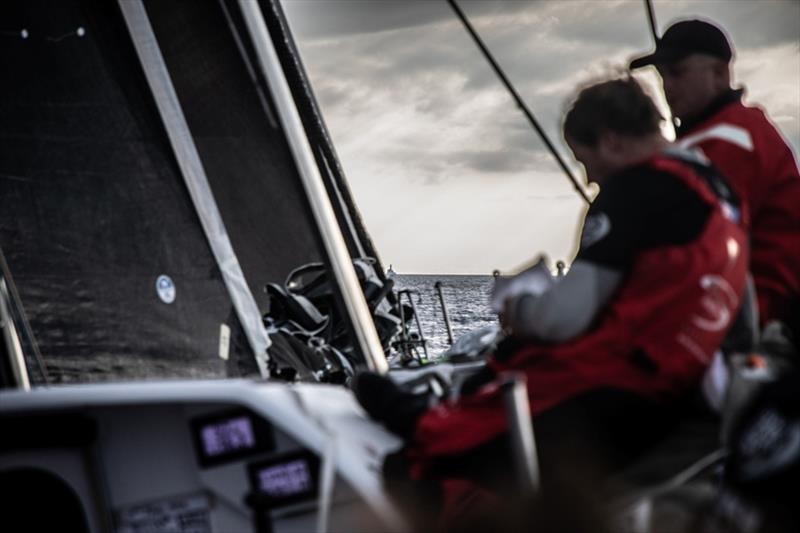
230,435
286,479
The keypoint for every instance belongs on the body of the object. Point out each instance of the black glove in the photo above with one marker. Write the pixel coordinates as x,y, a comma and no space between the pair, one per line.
477,380
387,403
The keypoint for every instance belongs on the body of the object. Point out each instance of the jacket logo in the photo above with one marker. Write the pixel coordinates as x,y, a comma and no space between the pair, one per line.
718,304
595,227
165,288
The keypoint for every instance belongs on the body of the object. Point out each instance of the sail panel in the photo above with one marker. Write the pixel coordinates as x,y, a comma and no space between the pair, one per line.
113,267
93,210
196,181
243,149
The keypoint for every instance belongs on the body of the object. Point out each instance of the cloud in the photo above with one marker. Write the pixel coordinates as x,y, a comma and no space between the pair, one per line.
771,75
748,24
316,19
429,136
491,161
313,19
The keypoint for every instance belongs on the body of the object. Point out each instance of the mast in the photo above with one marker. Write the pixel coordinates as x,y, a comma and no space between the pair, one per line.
341,262
651,18
358,239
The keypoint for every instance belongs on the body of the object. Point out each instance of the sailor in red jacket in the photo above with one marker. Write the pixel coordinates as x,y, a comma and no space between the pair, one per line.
693,58
622,338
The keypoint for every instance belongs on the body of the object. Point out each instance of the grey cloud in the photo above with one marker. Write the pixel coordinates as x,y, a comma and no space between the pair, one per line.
602,23
436,104
442,45
489,161
332,95
579,29
315,19
428,55
441,80
436,168
324,19
502,125
779,16
379,66
503,160
387,57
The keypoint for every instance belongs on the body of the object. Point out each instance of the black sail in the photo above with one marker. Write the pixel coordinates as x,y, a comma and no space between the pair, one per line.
239,140
94,210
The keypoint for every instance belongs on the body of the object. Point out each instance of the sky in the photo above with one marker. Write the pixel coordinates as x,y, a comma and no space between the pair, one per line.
447,173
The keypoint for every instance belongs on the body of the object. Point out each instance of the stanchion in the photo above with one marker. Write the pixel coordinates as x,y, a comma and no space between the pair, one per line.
520,429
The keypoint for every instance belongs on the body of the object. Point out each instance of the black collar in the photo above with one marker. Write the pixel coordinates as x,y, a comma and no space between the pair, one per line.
731,95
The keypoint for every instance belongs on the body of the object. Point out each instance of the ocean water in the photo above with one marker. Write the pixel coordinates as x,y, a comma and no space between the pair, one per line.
466,298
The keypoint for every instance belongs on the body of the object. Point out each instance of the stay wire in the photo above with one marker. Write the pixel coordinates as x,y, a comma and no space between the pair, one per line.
20,312
518,99
651,18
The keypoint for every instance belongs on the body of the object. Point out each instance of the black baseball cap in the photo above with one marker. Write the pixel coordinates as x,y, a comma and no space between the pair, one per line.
684,38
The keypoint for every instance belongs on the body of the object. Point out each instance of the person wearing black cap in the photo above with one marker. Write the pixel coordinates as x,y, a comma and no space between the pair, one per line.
693,58
611,350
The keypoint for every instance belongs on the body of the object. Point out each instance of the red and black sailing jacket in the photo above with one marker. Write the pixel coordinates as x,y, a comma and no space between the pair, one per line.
748,149
659,332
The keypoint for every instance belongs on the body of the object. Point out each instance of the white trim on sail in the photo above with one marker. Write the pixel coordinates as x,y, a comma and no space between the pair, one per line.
195,178
310,176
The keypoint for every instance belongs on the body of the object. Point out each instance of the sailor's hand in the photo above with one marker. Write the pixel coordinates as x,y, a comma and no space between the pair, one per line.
513,317
506,316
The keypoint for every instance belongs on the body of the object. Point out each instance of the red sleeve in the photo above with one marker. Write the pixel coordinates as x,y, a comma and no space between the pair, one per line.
749,150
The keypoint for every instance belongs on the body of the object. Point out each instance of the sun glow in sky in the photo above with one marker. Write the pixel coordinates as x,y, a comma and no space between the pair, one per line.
446,171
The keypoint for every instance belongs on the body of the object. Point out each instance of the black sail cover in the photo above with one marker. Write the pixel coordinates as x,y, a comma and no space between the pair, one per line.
106,248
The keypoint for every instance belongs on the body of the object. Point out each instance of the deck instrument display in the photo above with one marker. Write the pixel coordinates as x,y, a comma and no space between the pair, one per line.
285,479
229,436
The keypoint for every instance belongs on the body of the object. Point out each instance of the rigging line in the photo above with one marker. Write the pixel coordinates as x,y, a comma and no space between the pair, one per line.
249,66
651,17
521,103
26,326
314,121
311,179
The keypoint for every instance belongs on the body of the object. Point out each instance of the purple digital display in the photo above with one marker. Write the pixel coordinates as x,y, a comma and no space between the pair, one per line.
286,479
228,436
